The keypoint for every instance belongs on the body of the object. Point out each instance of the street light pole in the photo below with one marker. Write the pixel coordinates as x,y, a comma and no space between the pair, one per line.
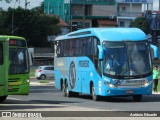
84,3
71,15
26,3
159,5
13,19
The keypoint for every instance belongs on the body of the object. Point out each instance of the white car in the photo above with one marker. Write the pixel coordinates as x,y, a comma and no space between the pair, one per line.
43,72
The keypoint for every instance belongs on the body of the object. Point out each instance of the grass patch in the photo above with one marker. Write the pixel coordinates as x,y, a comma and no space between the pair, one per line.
43,81
32,71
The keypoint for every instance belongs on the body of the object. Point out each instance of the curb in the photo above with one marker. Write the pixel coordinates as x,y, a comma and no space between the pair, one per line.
154,93
34,83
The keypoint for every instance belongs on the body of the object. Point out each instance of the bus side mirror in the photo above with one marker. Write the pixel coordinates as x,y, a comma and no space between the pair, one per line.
101,53
155,51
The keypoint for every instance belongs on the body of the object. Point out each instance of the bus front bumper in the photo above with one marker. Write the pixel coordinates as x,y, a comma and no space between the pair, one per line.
127,91
18,89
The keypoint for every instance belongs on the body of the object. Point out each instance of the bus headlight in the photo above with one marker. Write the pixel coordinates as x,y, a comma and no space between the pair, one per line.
26,81
146,84
109,84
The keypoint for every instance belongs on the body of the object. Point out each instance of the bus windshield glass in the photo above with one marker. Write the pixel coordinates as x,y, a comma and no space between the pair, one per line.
127,58
18,61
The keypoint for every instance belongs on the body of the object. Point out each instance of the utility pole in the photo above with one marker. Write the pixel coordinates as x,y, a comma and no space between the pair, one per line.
71,15
48,7
159,5
84,3
26,3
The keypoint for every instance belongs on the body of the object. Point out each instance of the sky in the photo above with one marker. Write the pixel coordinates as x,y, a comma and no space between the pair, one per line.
34,3
14,4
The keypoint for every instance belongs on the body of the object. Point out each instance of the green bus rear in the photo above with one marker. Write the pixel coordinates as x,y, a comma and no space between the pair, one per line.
4,64
18,80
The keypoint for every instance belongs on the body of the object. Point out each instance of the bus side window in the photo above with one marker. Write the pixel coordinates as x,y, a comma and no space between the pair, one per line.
96,42
84,47
57,48
77,47
89,46
65,49
62,48
71,47
80,47
1,53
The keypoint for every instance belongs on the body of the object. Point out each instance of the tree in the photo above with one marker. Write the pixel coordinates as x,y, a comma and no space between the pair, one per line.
140,23
40,8
31,24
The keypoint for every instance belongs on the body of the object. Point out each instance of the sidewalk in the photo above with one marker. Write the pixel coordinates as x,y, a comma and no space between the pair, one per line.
35,82
155,92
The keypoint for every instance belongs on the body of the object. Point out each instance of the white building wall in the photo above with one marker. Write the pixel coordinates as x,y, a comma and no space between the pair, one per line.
133,10
103,10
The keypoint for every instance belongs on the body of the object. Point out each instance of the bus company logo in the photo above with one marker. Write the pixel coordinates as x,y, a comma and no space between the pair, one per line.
72,75
137,82
118,82
84,63
6,114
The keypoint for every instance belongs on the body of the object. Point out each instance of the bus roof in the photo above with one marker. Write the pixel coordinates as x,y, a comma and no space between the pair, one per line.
108,34
11,37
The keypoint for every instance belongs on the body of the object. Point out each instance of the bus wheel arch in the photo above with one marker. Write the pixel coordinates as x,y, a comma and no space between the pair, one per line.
91,83
62,84
67,93
137,98
94,96
3,98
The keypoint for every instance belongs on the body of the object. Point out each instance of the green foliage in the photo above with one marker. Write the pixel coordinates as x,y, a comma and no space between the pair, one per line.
31,24
140,23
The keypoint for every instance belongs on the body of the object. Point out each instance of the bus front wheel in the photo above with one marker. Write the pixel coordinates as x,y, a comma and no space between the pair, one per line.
67,93
94,96
3,98
137,98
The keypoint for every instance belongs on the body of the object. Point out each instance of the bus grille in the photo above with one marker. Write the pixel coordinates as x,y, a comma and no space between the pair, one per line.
13,90
13,79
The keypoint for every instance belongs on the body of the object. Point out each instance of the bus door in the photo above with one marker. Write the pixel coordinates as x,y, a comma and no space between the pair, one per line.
3,79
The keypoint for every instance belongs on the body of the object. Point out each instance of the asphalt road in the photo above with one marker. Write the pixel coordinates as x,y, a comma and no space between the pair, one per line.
44,97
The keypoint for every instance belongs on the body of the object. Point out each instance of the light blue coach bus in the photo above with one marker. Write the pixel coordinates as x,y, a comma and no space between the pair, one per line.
104,62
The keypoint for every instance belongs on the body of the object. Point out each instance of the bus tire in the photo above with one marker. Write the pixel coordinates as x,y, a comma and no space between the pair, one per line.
67,93
3,98
94,96
137,98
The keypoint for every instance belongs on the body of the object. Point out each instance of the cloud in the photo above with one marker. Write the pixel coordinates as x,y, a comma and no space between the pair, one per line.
155,4
14,4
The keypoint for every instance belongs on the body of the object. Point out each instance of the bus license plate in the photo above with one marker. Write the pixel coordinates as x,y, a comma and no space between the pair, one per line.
129,91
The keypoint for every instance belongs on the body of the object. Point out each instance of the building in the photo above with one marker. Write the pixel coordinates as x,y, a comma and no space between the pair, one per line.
97,13
41,56
128,10
83,13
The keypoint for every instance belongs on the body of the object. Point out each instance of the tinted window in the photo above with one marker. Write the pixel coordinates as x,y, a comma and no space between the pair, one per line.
49,68
1,53
18,61
76,47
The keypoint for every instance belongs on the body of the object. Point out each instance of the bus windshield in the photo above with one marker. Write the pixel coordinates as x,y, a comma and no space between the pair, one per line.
18,61
127,58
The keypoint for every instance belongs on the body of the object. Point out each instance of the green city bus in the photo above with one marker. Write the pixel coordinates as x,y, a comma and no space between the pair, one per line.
18,70
4,64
